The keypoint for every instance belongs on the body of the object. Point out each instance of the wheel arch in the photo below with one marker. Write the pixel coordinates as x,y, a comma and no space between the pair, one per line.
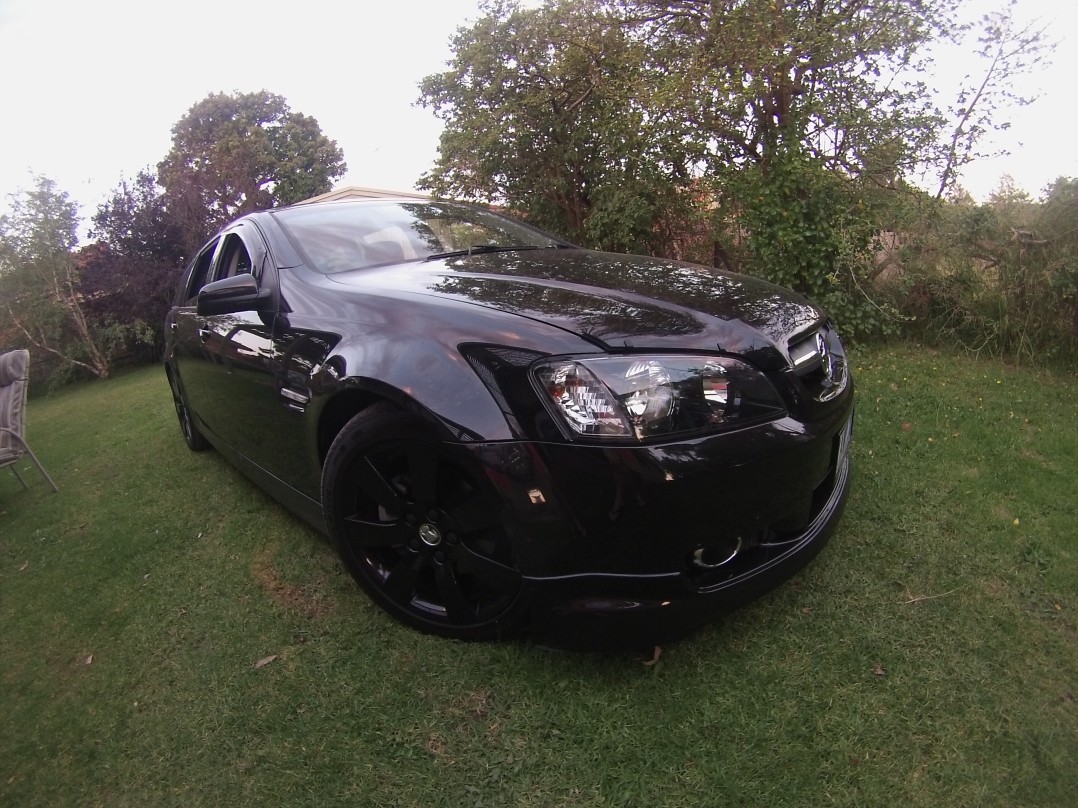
428,378
338,411
354,399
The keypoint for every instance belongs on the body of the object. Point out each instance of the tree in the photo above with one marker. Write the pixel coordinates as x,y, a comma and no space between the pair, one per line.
546,111
1007,49
232,154
834,80
135,222
39,280
129,276
809,115
801,122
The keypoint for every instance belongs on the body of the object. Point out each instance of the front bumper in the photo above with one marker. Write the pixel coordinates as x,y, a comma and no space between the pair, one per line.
593,612
640,546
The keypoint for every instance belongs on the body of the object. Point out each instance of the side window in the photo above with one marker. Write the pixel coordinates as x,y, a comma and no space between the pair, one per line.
235,259
200,272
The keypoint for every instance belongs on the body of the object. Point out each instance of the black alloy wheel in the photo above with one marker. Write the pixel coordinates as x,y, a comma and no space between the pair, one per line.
419,529
194,439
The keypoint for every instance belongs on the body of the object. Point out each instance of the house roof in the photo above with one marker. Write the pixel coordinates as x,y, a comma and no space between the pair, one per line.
359,192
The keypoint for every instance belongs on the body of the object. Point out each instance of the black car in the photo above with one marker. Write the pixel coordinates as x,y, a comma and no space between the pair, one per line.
502,432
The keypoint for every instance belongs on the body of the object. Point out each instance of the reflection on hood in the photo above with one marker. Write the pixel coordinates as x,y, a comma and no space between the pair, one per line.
619,300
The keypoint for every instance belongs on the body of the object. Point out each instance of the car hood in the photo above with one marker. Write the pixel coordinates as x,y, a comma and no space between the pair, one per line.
616,301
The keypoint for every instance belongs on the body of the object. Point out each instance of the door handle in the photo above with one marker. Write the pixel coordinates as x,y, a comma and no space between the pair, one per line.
203,334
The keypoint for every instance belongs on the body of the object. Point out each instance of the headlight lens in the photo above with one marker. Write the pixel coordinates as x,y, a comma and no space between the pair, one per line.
644,397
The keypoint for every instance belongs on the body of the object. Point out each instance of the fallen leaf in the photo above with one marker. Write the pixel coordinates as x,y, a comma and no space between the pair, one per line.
1016,522
89,660
907,426
654,657
24,567
265,661
879,670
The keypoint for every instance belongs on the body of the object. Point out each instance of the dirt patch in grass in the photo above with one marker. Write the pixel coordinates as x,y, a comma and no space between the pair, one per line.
305,600
477,704
437,747
1070,632
995,588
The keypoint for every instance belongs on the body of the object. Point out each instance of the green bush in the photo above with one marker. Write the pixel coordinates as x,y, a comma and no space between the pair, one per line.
808,228
999,279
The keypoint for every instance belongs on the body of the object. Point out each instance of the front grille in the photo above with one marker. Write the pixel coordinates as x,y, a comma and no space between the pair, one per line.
819,362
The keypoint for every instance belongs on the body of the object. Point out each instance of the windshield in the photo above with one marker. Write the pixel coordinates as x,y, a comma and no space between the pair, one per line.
339,236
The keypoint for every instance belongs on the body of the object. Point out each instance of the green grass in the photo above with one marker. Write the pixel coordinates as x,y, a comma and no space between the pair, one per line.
929,656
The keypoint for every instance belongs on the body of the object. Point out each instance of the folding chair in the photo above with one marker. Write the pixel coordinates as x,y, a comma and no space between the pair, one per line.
14,373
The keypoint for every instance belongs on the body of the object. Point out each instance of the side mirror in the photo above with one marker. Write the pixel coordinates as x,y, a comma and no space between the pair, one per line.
228,295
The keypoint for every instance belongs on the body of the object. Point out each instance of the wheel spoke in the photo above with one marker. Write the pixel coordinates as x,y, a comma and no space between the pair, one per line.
457,607
423,474
368,533
400,584
492,573
371,483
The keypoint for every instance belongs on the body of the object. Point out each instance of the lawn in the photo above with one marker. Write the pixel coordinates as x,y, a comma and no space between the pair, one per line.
170,636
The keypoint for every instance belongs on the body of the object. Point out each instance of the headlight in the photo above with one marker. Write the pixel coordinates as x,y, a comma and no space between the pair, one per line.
644,397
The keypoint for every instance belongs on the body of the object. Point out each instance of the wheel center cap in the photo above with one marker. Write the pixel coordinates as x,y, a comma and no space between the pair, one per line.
430,535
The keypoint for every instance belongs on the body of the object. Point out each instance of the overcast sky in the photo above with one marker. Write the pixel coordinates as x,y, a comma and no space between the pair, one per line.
89,89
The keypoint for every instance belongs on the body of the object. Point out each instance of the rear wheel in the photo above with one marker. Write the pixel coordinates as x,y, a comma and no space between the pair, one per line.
419,528
194,439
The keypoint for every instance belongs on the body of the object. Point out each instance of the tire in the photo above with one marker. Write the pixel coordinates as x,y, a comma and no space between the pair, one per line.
194,439
420,529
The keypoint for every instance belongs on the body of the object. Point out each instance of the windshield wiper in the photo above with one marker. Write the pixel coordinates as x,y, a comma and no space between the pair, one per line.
478,249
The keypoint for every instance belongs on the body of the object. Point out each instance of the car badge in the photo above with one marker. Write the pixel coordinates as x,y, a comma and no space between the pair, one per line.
825,357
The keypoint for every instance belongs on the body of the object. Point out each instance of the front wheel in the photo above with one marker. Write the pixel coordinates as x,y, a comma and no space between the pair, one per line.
419,528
